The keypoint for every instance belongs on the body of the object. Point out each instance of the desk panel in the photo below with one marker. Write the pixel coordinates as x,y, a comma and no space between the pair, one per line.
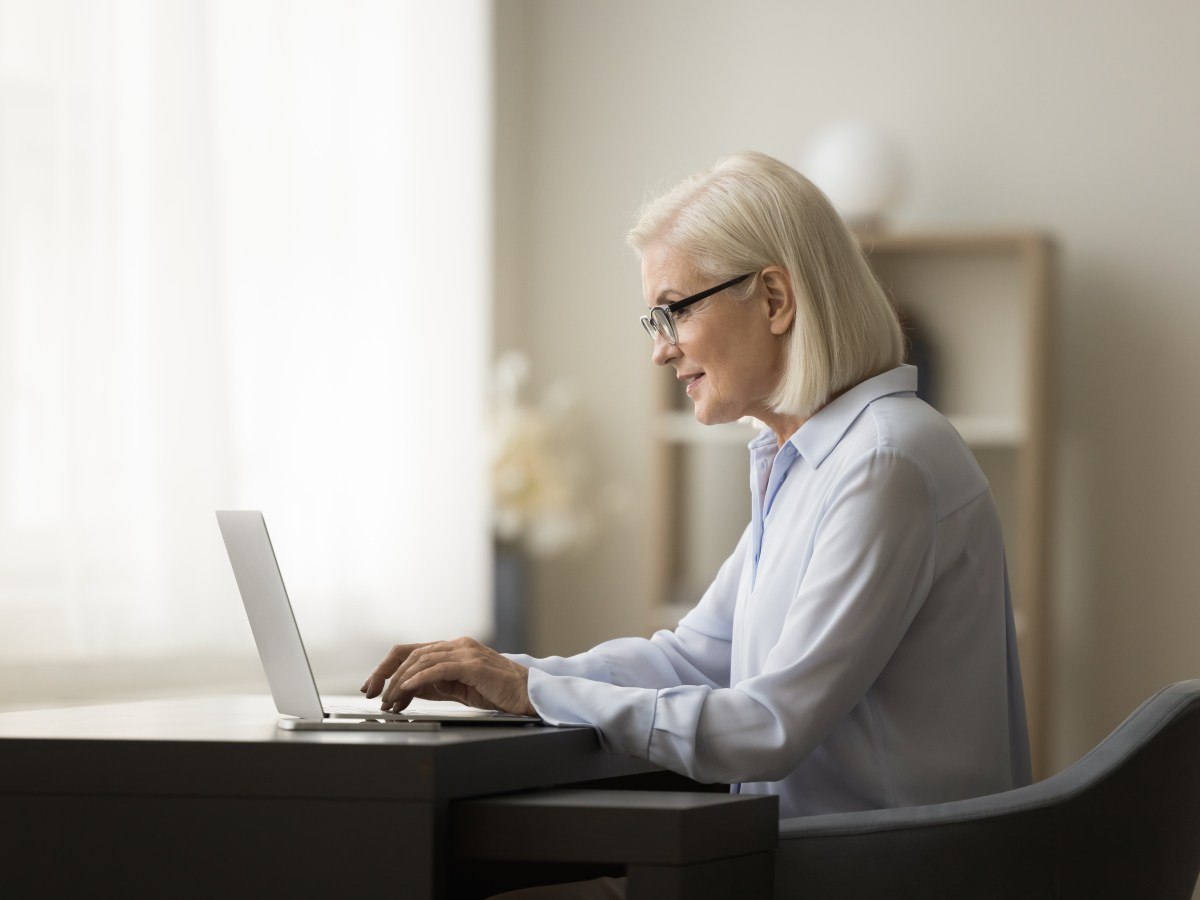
218,847
206,793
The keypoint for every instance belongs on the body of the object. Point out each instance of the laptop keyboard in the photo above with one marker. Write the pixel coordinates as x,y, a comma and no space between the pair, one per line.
366,711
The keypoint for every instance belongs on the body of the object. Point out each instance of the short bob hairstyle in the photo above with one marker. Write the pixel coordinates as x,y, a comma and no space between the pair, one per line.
750,211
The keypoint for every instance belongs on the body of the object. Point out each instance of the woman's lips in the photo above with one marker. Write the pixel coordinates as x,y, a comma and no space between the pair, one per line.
693,381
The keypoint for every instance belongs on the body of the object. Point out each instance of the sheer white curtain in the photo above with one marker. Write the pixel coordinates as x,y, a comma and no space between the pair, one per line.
244,262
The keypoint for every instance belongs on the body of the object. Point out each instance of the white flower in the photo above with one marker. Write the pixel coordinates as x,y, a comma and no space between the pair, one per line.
536,484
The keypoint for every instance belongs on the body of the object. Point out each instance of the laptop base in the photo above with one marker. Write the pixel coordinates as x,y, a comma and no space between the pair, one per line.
290,724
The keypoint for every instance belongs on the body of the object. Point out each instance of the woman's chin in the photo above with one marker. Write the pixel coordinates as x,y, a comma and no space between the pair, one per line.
707,416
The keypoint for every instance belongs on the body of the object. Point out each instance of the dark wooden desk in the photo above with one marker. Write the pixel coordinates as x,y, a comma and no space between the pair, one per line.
207,797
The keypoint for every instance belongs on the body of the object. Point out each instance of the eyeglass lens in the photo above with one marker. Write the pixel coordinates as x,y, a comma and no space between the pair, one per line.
659,322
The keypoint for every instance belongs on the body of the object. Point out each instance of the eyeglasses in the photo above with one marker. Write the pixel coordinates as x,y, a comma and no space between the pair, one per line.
661,319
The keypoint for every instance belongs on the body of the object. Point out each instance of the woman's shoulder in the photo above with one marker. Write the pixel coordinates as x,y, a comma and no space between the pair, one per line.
908,430
906,422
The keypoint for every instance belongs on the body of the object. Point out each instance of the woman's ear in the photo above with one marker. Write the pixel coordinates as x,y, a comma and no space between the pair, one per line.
780,299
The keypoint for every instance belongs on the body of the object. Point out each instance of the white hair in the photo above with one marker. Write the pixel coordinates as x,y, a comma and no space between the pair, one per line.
750,211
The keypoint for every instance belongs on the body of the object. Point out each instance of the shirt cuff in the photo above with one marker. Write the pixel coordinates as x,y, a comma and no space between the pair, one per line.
623,716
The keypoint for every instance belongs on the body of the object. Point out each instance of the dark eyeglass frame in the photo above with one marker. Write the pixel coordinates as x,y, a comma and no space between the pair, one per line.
661,319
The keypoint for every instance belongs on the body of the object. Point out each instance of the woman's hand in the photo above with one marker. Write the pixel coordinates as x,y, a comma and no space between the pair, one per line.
463,670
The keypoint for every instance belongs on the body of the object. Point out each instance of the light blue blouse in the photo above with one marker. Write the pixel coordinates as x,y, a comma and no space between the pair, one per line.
857,649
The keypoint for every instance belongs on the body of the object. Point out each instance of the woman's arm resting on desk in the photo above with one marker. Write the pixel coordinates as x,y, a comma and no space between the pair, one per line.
463,670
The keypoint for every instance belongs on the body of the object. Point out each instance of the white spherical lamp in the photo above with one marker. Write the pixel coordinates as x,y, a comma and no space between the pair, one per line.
861,169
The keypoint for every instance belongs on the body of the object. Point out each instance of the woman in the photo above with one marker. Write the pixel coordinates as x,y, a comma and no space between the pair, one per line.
857,649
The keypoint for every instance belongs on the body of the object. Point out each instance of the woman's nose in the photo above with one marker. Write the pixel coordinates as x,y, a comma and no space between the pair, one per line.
664,351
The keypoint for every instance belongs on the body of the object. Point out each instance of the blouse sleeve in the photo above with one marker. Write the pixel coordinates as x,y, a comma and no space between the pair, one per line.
870,568
696,652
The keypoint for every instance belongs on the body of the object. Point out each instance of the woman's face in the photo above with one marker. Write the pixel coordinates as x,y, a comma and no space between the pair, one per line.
729,356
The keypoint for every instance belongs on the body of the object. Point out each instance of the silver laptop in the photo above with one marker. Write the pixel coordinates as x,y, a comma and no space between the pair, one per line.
286,663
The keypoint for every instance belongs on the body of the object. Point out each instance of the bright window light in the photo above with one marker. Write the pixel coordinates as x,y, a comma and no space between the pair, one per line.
244,263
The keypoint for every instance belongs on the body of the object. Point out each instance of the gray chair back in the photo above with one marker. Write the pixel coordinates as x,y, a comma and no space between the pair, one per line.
1123,822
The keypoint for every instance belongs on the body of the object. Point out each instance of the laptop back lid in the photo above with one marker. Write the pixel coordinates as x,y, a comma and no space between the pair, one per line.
270,613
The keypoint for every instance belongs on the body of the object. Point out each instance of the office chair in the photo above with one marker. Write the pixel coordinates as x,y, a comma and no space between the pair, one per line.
1123,822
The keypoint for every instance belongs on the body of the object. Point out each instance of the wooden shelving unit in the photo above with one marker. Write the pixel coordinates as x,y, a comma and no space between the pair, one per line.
982,303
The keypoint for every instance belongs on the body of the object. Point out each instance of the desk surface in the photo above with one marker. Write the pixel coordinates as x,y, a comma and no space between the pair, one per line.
200,796
221,745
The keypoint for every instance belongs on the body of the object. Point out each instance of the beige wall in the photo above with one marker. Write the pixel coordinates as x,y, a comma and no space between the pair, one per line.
1076,117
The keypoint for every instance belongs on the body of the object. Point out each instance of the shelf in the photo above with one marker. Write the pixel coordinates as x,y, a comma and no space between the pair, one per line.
989,431
681,427
944,243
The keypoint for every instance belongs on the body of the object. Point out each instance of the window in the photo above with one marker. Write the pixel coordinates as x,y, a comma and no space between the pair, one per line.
244,262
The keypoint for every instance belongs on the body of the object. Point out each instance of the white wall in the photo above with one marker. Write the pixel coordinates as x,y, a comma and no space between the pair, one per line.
1079,118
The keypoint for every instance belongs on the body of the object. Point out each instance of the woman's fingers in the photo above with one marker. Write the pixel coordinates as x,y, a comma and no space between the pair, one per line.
438,691
421,654
387,667
462,670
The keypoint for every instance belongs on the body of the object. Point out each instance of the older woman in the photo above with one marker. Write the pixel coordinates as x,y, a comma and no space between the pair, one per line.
857,649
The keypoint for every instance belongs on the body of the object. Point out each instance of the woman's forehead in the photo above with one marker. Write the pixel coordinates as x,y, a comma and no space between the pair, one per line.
665,269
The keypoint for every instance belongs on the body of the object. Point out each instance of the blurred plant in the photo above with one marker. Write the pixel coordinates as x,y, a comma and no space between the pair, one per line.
537,474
